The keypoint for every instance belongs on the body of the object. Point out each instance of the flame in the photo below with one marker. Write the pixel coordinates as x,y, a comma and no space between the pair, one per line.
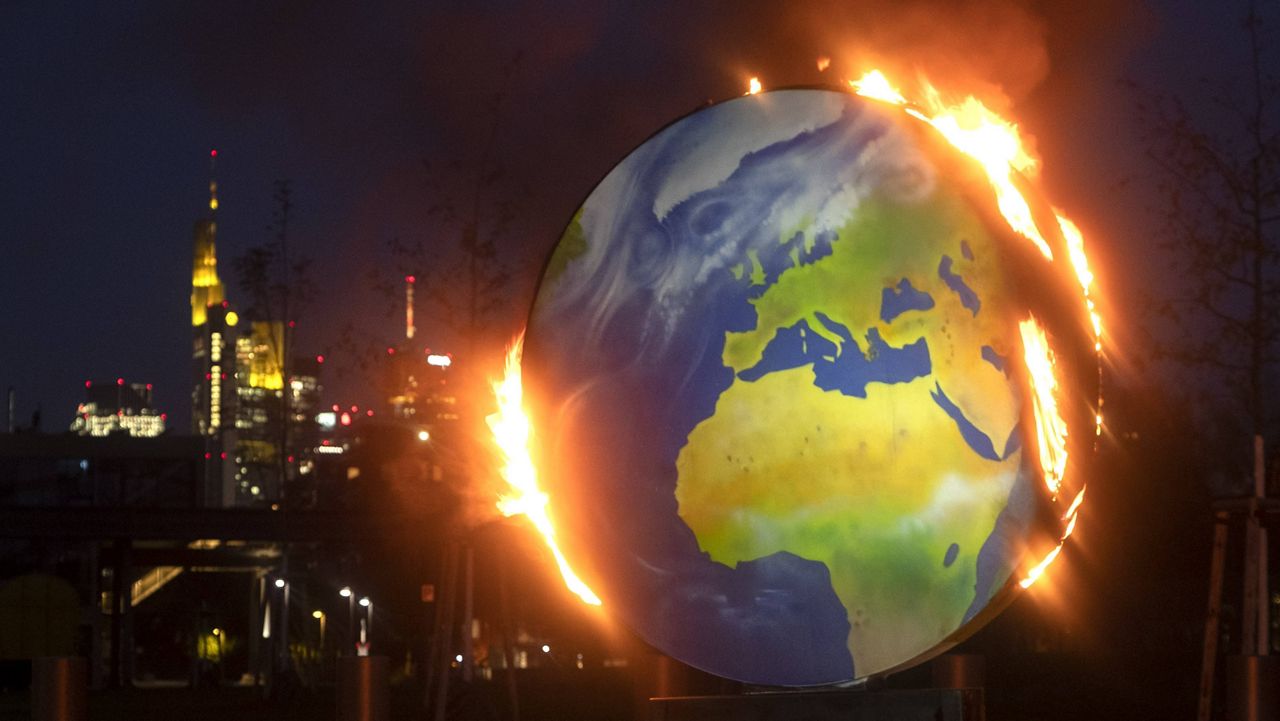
979,133
1051,430
1036,571
1080,262
876,86
998,147
512,431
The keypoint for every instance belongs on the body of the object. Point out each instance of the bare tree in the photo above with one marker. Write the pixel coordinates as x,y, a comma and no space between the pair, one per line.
1219,183
278,286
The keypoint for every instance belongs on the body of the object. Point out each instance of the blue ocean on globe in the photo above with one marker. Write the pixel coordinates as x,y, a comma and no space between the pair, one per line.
772,364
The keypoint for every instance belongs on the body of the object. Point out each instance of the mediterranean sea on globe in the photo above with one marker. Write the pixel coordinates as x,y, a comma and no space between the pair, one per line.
772,370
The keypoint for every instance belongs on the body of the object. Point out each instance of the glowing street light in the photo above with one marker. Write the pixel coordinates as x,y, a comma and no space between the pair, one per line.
320,616
346,593
364,601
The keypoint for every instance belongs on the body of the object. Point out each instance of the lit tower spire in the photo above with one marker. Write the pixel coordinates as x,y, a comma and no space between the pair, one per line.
213,184
408,307
206,286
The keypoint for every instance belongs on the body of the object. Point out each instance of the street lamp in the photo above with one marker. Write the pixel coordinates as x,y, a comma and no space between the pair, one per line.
320,616
346,593
364,601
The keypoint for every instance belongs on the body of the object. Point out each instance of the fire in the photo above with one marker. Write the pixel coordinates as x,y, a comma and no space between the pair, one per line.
998,147
1036,571
876,86
979,133
512,432
1075,251
1051,430
824,62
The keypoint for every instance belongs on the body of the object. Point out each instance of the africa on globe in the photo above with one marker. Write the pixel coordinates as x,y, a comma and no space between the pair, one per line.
775,368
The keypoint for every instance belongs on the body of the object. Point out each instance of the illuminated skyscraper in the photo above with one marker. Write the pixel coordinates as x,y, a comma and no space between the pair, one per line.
212,321
259,383
117,408
206,286
418,382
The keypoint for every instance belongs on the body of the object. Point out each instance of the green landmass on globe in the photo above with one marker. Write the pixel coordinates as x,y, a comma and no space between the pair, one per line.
880,487
779,366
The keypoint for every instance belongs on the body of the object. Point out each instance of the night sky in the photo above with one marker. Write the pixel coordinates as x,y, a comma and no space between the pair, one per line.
377,111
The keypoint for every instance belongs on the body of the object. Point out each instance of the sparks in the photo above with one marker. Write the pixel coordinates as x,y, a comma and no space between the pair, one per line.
753,86
512,433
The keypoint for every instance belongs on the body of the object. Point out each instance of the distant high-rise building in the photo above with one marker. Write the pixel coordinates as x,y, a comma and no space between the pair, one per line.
117,407
418,381
259,385
213,323
239,400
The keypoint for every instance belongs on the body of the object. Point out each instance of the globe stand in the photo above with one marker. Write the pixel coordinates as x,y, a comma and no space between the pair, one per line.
935,704
957,695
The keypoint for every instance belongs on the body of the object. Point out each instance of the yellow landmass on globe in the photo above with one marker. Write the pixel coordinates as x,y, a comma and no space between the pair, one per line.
877,488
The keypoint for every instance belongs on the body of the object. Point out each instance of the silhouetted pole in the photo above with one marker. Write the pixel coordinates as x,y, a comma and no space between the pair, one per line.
362,688
508,632
959,670
468,612
1209,659
58,689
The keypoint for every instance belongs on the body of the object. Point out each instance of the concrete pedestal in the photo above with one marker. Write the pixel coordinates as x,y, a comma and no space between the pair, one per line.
852,705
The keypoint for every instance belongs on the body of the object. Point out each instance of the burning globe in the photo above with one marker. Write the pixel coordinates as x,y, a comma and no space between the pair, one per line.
778,370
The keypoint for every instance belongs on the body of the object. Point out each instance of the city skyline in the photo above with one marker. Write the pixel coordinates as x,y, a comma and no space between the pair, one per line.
105,162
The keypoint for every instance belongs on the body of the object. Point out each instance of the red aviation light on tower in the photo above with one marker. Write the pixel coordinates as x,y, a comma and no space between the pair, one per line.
213,153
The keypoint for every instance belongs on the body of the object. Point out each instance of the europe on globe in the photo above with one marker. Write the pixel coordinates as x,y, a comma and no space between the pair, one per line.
774,366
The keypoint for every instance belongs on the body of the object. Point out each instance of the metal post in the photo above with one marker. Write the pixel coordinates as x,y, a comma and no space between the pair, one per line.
362,688
58,688
1255,607
255,627
121,615
508,632
440,688
1252,684
1209,660
1263,602
468,612
959,670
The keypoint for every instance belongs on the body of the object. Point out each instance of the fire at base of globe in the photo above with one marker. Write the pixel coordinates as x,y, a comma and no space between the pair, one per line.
777,362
